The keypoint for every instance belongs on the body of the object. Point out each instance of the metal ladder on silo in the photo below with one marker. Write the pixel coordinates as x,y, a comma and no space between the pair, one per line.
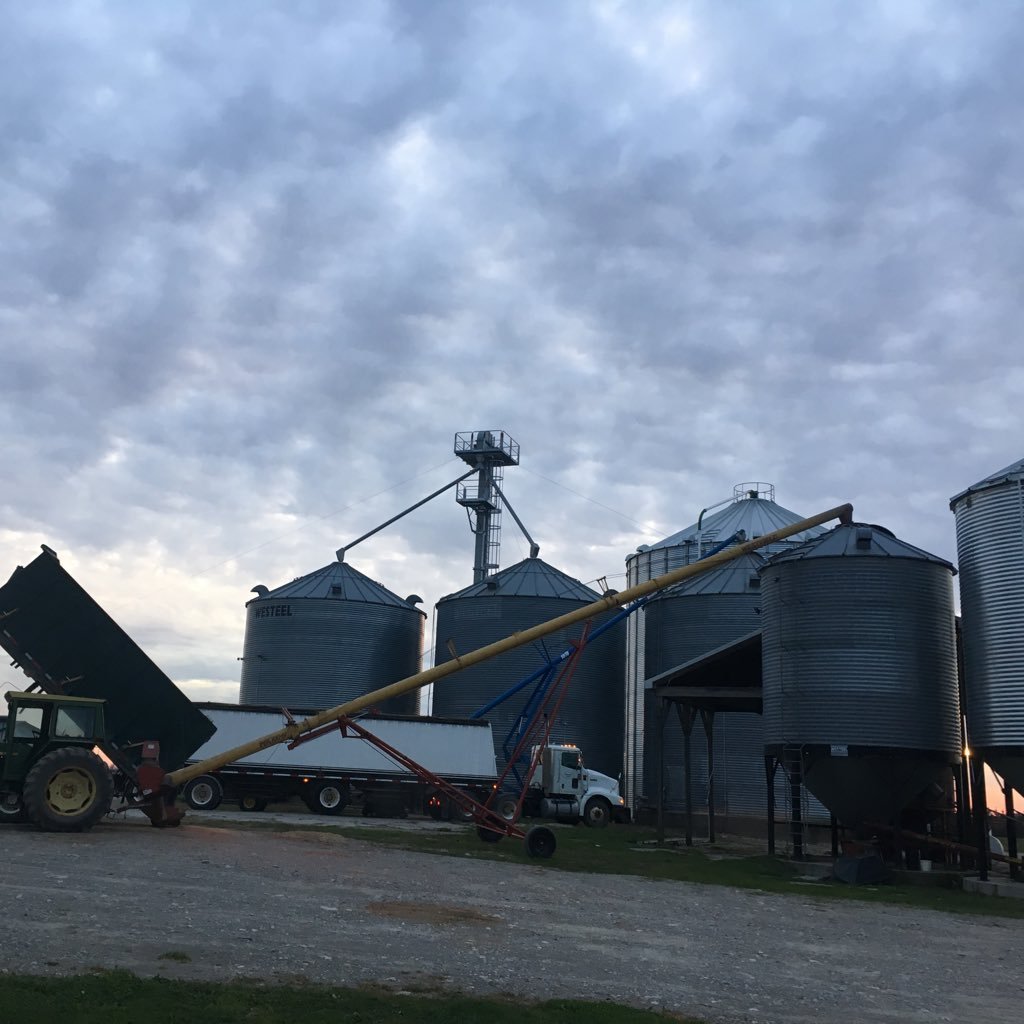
796,808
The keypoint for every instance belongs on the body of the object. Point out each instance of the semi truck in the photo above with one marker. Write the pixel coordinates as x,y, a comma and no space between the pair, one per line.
336,771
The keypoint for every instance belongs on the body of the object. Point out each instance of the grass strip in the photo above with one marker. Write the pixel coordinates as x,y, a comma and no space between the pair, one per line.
117,997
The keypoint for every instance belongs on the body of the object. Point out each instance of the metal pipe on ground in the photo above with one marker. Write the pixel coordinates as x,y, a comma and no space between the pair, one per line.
844,513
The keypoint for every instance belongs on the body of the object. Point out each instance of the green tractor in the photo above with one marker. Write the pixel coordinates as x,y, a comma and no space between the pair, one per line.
50,772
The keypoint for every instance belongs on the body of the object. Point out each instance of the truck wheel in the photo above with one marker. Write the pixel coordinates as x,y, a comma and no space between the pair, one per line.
597,813
540,842
204,793
330,798
11,808
507,805
67,790
252,803
487,836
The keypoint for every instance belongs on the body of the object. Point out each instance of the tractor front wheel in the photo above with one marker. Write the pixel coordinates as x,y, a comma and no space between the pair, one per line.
11,807
67,790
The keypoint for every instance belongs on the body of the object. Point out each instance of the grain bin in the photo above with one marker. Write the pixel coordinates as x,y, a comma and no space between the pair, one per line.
990,548
752,510
859,669
514,599
328,637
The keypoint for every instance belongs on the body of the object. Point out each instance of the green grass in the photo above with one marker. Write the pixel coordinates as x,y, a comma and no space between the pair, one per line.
629,850
117,997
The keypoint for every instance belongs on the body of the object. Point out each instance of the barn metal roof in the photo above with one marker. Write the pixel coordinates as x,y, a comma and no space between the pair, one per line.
1015,471
338,581
531,577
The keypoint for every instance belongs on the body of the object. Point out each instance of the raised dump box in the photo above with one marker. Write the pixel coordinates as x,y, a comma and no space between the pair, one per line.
67,644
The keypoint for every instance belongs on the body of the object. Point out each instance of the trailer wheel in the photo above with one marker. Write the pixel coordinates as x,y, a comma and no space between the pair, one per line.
11,808
507,805
330,798
540,842
67,790
487,836
598,813
252,803
204,793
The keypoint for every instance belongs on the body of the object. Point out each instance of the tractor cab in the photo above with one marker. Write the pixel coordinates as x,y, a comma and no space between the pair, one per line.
47,765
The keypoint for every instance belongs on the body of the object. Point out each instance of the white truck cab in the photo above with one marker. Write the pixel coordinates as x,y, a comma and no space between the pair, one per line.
564,789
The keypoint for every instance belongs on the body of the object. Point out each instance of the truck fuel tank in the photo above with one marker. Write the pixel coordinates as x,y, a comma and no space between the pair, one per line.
562,809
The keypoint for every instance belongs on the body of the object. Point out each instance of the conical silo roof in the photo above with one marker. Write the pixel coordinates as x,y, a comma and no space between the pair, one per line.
731,578
337,581
755,516
858,540
1015,471
531,577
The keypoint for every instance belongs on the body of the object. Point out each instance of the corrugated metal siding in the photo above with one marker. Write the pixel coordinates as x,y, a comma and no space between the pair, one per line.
990,545
319,653
741,788
591,715
679,629
860,651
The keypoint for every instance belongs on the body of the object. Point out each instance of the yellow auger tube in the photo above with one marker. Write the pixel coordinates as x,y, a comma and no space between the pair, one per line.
844,513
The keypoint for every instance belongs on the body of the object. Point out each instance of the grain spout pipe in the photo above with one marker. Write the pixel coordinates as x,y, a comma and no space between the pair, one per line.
844,513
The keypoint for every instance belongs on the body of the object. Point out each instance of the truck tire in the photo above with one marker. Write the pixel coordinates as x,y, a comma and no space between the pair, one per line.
67,790
487,836
11,808
329,798
597,813
506,806
540,842
252,803
204,793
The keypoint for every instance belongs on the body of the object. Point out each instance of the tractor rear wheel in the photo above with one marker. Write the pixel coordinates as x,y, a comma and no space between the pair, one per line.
67,790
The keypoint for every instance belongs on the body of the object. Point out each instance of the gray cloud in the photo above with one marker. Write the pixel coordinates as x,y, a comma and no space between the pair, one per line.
258,266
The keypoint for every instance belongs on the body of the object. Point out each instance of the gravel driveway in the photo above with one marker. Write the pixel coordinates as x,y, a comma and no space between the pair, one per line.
318,906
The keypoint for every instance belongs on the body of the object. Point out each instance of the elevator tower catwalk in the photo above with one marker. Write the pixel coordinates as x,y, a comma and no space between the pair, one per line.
488,452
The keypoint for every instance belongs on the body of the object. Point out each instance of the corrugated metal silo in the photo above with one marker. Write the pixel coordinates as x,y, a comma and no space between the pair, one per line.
514,599
328,637
859,669
738,745
990,548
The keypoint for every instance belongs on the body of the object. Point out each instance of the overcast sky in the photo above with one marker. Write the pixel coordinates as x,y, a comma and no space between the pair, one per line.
259,263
